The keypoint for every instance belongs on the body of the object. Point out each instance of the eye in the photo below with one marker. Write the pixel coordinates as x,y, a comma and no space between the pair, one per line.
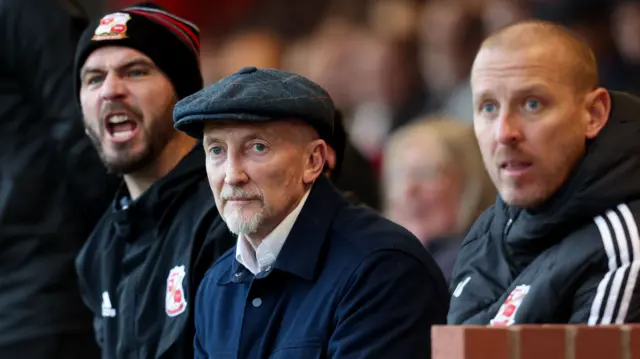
532,105
488,108
215,150
92,80
259,147
137,72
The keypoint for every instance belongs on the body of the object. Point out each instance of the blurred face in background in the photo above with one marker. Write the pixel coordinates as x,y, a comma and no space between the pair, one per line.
352,63
255,48
449,37
497,14
626,30
422,189
127,104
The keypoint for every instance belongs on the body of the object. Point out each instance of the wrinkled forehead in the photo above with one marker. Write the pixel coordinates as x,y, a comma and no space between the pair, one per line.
508,70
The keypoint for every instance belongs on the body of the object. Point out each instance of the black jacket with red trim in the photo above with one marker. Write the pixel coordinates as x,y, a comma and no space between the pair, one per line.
574,261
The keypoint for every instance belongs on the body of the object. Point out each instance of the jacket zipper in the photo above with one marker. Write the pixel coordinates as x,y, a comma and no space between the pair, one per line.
510,261
507,227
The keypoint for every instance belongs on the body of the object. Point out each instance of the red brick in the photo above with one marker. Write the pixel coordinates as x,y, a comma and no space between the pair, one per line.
541,342
483,343
602,342
632,340
469,342
447,342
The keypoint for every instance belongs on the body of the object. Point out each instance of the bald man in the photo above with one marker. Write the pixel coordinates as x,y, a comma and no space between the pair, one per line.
561,242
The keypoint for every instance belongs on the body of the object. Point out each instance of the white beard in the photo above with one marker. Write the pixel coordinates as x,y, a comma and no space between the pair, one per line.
239,224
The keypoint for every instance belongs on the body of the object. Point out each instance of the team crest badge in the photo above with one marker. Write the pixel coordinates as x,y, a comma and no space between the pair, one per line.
175,301
112,27
507,312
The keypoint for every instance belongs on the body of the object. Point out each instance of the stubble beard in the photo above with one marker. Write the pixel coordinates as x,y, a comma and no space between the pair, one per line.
126,162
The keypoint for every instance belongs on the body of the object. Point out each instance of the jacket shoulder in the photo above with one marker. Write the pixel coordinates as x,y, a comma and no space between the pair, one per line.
88,260
219,270
615,230
482,225
359,234
364,231
612,258
96,241
469,247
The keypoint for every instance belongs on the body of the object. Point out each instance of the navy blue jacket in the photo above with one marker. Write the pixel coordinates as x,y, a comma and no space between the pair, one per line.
347,284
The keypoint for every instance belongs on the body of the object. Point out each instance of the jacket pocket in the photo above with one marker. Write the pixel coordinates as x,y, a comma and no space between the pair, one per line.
305,348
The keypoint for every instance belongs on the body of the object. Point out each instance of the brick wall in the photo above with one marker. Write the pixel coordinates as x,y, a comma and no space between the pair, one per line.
536,342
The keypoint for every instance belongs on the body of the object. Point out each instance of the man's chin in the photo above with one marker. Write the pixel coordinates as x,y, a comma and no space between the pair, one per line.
244,229
123,165
523,199
239,224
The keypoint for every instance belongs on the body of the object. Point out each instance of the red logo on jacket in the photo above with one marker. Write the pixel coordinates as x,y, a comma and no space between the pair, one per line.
175,300
507,312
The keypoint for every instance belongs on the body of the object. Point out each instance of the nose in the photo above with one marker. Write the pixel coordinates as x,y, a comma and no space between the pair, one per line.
113,88
508,129
235,174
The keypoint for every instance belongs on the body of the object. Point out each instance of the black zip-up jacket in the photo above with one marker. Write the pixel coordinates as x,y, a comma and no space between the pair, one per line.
140,268
577,259
53,186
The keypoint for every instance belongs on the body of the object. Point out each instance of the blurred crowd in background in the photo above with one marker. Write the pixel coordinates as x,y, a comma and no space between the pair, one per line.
398,71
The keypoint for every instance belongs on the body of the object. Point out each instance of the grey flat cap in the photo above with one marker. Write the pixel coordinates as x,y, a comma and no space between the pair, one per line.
254,94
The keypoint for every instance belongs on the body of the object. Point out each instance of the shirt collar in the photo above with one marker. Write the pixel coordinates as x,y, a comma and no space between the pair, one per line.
303,253
262,258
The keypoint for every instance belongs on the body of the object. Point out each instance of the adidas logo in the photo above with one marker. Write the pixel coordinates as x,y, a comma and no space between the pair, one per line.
107,308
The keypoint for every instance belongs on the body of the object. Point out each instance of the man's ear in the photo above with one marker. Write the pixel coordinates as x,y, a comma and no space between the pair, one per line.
598,106
315,158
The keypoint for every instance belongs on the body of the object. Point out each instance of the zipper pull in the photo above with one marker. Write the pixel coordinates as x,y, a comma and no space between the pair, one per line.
507,227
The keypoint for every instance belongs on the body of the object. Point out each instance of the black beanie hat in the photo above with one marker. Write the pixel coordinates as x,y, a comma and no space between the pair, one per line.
171,42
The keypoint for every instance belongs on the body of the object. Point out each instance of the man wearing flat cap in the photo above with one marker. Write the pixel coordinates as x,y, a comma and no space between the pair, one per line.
311,275
140,268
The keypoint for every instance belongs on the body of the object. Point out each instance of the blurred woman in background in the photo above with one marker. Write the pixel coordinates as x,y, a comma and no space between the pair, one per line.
435,185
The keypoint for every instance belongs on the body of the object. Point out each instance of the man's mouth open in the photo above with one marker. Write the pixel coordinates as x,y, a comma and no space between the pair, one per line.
121,128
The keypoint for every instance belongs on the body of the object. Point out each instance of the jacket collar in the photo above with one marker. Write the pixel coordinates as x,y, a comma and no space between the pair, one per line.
153,202
302,251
